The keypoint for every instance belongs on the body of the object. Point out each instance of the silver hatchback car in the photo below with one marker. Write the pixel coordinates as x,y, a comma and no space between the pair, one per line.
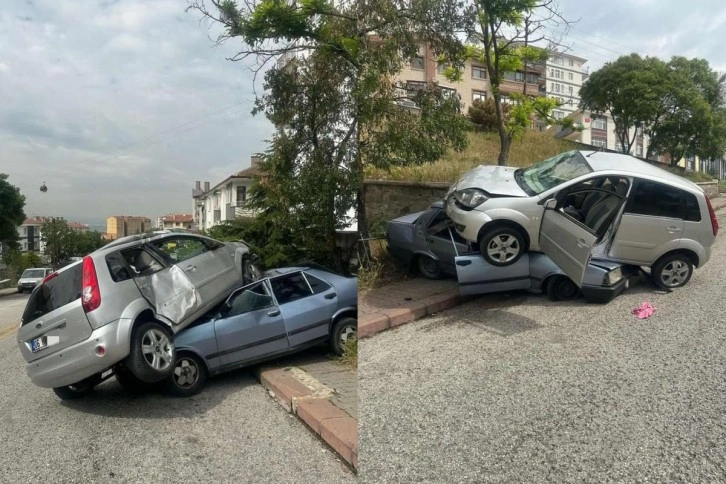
583,205
118,308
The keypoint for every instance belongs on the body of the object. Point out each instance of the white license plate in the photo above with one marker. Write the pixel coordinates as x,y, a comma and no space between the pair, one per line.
38,344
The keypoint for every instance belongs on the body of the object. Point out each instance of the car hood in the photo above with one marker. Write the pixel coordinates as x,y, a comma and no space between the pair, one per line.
495,180
29,279
407,219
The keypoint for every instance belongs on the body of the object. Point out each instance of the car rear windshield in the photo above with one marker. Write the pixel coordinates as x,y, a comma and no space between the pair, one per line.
55,293
33,274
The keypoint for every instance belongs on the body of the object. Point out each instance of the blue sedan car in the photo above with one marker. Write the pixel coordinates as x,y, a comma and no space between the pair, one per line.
284,312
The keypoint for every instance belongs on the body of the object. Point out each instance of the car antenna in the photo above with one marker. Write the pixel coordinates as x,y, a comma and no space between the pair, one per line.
602,148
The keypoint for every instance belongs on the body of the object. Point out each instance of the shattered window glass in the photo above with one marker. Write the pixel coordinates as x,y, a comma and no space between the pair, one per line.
180,249
251,299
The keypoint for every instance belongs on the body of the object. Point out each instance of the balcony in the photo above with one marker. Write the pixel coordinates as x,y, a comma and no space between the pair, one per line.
509,87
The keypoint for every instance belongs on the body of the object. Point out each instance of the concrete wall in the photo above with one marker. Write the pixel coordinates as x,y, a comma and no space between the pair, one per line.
386,200
711,188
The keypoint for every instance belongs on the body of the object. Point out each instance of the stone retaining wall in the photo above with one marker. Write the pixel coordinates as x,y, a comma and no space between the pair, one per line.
386,200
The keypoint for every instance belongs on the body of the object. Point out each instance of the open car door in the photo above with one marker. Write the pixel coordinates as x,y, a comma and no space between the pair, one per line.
568,237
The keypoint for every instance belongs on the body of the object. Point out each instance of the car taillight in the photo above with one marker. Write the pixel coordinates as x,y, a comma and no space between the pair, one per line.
49,277
90,292
714,220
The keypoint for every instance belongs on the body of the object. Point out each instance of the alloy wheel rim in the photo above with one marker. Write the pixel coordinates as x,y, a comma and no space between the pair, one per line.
503,248
157,349
186,373
674,273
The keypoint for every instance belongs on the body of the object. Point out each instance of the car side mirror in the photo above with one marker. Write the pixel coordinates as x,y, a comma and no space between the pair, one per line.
225,309
550,204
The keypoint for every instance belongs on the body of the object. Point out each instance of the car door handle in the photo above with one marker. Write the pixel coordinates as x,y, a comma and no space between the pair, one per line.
274,313
582,244
191,268
463,262
673,230
330,296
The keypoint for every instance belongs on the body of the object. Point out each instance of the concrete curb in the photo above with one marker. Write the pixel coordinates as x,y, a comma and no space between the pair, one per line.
334,426
372,323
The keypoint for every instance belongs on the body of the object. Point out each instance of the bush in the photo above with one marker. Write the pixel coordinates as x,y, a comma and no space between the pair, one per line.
484,114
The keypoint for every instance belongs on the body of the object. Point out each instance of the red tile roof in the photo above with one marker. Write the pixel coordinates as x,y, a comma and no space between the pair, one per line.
178,217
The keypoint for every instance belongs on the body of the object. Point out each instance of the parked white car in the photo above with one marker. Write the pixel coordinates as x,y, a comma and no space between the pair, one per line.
32,277
580,205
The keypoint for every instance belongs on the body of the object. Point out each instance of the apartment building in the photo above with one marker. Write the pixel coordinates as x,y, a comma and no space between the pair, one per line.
123,225
564,75
30,233
226,200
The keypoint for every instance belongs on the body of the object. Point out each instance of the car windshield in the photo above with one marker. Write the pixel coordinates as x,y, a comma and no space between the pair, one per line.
551,172
33,273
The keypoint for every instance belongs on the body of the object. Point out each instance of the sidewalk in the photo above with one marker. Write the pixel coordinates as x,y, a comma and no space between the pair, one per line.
7,292
402,302
322,393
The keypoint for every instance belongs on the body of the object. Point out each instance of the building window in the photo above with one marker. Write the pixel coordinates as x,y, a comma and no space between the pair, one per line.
241,193
478,72
417,62
570,75
415,85
570,88
557,88
558,114
552,86
572,63
599,142
558,60
599,123
478,96
639,150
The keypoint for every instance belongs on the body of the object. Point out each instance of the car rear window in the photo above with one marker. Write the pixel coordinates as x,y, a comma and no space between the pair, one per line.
317,285
55,293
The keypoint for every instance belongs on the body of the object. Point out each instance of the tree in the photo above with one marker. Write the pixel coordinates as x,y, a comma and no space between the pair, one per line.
333,101
506,31
631,89
11,213
59,240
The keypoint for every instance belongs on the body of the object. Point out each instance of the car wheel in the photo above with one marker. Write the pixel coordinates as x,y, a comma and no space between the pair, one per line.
78,390
502,246
672,271
344,330
188,377
20,290
131,384
561,288
428,267
251,270
152,352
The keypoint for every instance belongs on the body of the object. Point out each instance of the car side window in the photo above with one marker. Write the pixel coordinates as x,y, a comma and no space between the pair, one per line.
655,200
117,267
250,299
142,262
692,211
317,285
179,249
290,287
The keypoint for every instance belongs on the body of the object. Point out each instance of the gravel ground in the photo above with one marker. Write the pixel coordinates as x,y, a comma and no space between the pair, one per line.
231,432
520,389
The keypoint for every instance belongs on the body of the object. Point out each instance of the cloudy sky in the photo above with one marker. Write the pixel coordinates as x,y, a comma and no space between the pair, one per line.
119,106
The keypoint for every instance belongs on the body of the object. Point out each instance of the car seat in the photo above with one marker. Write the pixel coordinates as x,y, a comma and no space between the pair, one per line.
145,264
602,212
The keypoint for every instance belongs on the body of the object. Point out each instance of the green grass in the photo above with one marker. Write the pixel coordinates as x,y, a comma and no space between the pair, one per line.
483,149
350,354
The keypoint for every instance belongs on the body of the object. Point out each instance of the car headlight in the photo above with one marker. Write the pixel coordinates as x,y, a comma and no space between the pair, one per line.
614,276
470,197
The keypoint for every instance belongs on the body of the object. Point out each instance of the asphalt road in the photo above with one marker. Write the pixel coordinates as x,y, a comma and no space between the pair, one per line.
520,389
231,432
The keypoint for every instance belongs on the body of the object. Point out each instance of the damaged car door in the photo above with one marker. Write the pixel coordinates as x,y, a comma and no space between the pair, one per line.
569,237
166,286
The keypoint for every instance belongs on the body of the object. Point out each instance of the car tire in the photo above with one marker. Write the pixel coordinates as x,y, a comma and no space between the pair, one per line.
131,384
428,267
495,244
561,288
343,330
251,269
78,390
152,354
188,377
672,271
20,290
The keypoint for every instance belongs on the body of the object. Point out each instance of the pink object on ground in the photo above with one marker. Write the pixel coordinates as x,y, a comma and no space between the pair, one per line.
644,311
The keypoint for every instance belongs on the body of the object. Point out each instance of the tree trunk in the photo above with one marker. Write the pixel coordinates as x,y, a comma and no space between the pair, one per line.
504,140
